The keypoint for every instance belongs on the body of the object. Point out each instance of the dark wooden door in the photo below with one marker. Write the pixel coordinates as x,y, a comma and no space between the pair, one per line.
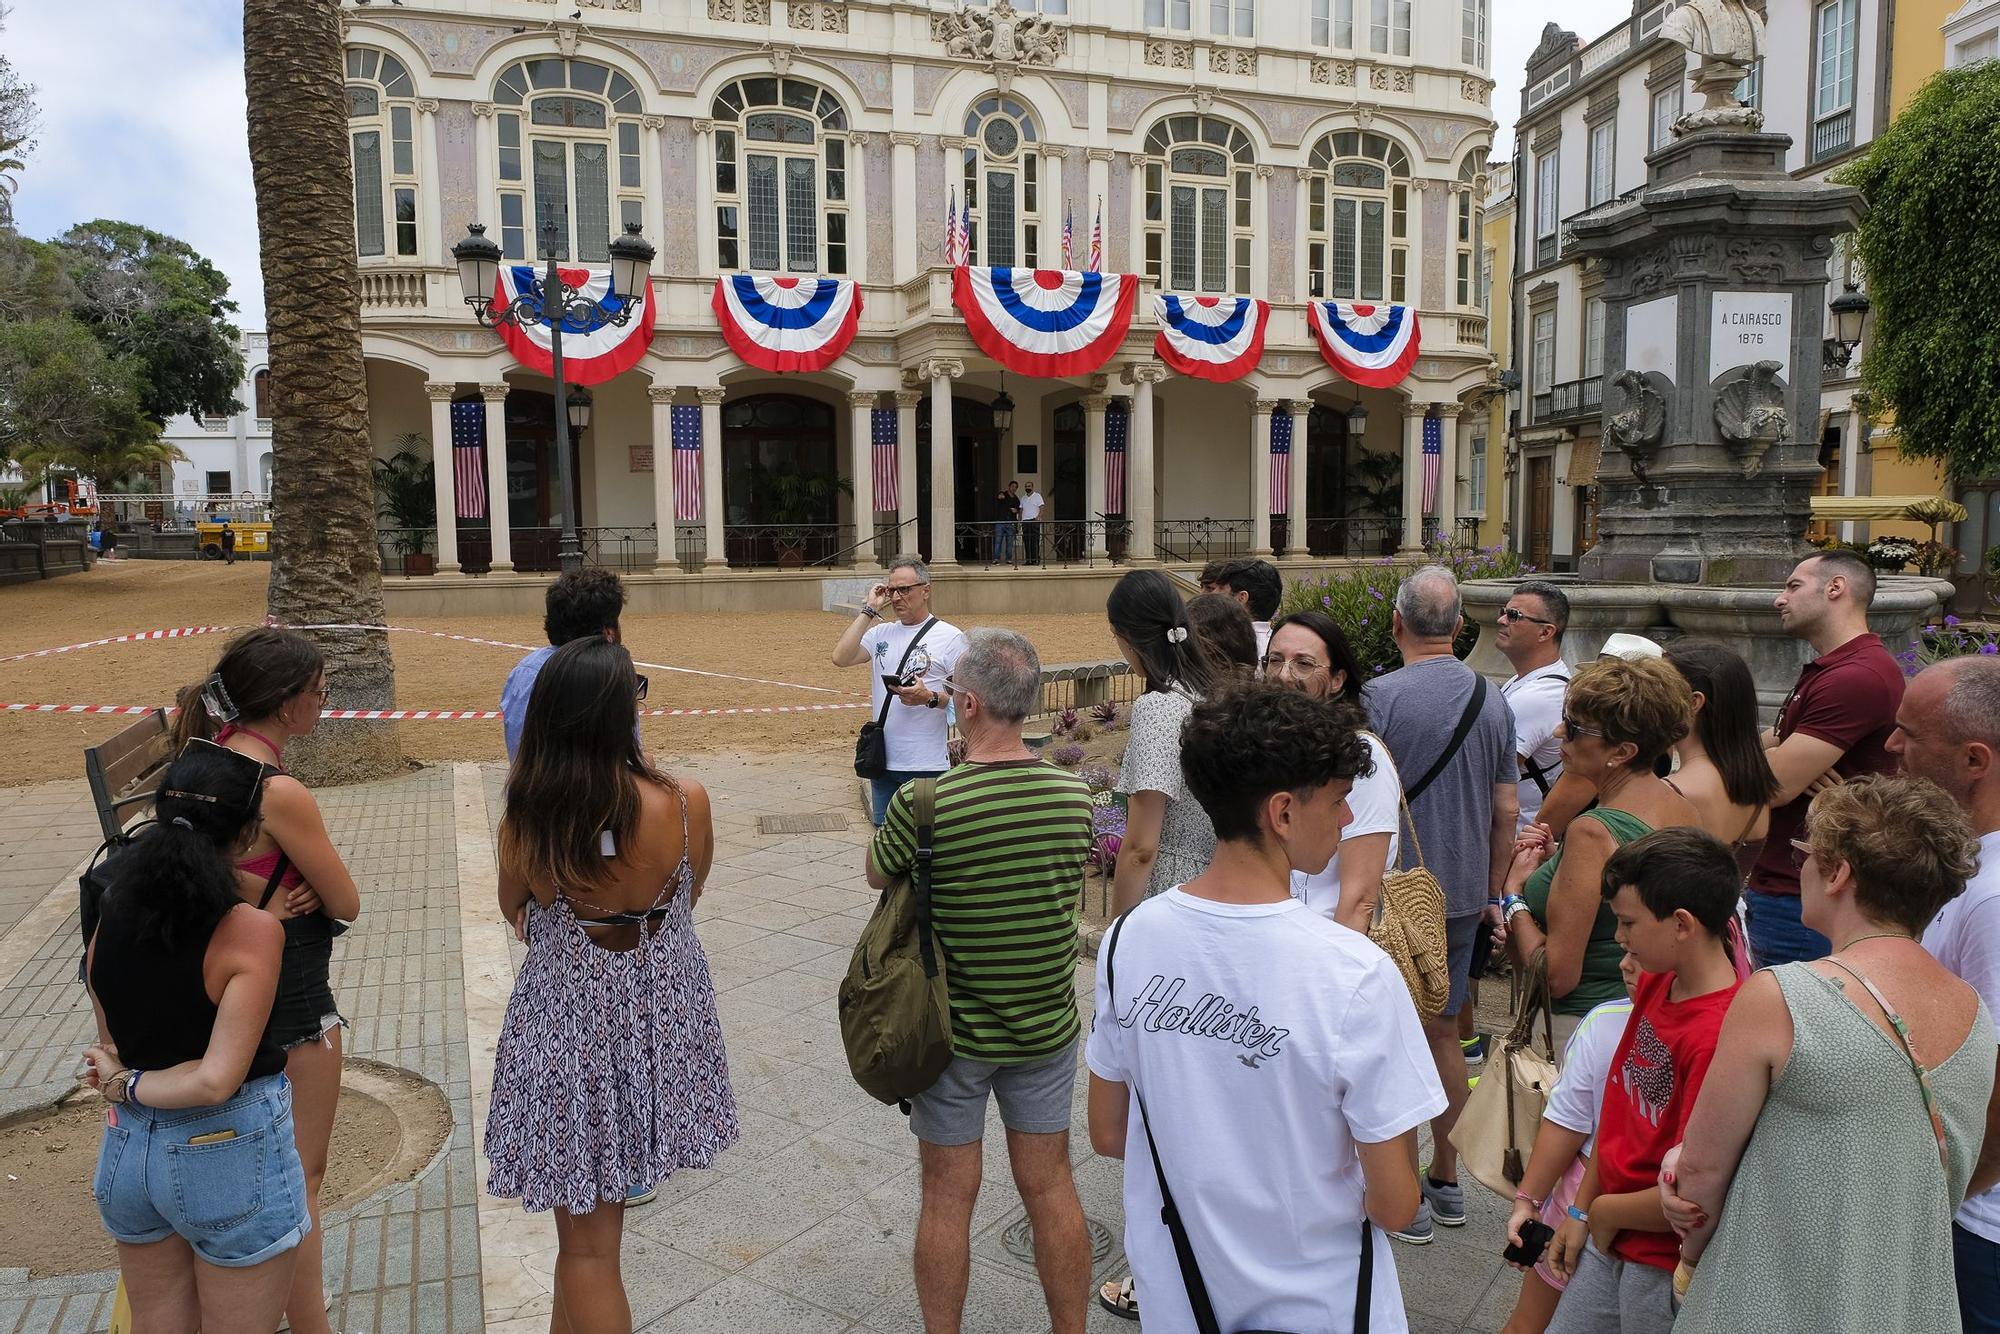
1541,510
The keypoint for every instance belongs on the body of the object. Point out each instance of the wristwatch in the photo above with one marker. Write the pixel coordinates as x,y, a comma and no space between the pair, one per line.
934,700
118,1086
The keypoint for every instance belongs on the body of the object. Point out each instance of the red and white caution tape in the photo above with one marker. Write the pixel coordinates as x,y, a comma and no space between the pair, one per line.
431,715
183,632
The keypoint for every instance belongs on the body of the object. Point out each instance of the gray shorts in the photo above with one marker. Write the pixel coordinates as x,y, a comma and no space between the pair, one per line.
1459,934
1034,1098
1612,1296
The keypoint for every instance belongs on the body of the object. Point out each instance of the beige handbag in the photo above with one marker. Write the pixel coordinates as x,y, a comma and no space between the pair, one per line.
1409,926
1496,1130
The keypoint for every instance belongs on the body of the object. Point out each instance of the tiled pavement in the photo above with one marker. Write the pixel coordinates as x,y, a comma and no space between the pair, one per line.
804,1226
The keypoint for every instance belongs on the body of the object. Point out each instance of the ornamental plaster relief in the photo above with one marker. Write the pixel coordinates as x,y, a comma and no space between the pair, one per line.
457,192
878,181
872,77
679,227
930,202
680,66
449,48
1284,187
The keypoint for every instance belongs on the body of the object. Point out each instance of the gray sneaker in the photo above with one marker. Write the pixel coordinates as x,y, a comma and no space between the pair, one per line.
1420,1232
1445,1202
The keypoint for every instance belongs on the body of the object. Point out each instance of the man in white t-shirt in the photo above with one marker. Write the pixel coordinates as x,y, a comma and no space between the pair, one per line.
1530,636
1948,730
1275,1056
914,648
1031,524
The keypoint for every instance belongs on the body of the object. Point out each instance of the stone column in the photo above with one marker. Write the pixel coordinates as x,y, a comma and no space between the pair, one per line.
1098,169
1447,506
904,164
1053,201
1139,462
944,507
499,514
862,452
906,465
1413,476
858,215
664,555
715,557
1094,498
1295,491
447,501
1260,478
705,258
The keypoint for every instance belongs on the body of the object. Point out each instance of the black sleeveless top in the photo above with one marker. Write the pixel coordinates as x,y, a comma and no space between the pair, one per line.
155,1003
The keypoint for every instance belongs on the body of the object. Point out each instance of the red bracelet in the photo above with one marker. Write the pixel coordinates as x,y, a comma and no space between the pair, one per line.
1526,1198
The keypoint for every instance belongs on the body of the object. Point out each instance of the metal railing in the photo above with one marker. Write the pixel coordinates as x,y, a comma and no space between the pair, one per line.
1199,541
1833,136
783,546
630,549
1569,401
1047,542
1084,686
1464,533
1356,535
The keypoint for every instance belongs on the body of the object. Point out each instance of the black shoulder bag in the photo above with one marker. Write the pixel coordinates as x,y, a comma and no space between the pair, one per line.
1170,1214
871,748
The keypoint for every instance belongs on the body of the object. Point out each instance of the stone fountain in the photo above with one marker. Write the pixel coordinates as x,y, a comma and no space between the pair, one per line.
1714,287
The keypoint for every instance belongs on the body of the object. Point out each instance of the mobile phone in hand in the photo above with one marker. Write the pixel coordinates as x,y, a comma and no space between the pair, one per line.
1535,1238
1482,948
895,683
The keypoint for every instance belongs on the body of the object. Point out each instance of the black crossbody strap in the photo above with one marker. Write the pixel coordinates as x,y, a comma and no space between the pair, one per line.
277,874
908,649
1464,728
923,802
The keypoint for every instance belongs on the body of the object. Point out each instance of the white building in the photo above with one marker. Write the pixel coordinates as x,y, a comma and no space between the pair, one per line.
229,456
1271,148
1591,114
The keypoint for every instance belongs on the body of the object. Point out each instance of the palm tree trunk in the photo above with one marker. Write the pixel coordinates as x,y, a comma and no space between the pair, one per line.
325,567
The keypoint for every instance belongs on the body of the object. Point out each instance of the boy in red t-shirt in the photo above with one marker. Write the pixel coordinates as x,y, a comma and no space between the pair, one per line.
1674,895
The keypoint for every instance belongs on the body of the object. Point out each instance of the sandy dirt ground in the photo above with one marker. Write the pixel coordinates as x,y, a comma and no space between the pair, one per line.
122,597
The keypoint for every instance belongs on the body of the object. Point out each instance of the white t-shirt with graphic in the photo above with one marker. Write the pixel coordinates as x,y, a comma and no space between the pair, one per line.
1266,1042
1537,702
915,735
1965,937
1586,1065
1376,803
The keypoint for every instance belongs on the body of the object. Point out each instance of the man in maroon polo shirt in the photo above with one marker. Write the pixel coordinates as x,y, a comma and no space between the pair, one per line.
1838,718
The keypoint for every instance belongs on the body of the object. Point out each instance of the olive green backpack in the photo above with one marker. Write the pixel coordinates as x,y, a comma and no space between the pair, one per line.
895,1012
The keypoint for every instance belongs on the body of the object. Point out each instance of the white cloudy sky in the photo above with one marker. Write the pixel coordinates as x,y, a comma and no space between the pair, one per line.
142,114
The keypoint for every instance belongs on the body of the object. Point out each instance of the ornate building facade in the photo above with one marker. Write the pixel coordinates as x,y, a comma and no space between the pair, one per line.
1279,149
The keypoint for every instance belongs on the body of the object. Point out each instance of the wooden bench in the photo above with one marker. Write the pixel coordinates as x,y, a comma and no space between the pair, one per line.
125,771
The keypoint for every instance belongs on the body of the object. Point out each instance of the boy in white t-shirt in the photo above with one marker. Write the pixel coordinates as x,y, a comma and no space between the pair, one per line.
1275,1056
1562,1148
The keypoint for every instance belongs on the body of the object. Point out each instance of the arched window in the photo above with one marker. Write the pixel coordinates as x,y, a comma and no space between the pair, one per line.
1358,218
1468,222
780,177
1198,176
1002,184
567,135
260,393
382,136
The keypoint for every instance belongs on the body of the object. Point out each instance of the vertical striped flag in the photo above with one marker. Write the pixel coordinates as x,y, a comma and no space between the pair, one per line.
1069,231
468,458
882,436
951,231
965,231
686,434
1097,239
1116,430
1281,461
1433,461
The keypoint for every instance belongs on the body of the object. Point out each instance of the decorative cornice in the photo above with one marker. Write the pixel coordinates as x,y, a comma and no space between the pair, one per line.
1266,406
1096,403
1446,411
653,122
440,393
704,126
1264,170
954,142
1146,372
861,399
1056,151
711,395
859,138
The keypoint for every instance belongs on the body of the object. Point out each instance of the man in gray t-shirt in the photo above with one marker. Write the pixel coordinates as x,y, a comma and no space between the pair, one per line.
1464,824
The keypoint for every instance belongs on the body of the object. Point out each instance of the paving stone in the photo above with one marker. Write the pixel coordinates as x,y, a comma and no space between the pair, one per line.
738,1306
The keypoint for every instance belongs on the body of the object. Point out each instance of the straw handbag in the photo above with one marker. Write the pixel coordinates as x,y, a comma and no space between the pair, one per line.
1496,1131
1409,926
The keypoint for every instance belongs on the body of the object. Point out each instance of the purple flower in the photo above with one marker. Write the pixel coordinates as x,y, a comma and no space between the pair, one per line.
1326,602
1375,593
1951,620
1989,649
1364,620
1067,757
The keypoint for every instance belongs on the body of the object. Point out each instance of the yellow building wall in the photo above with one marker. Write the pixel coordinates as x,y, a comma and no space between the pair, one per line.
1918,47
1499,238
1895,475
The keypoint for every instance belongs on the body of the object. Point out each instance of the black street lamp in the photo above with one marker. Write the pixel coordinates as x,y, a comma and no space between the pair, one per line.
552,306
1850,317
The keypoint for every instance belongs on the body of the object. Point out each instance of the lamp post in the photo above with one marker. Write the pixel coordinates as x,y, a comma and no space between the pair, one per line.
1850,317
554,306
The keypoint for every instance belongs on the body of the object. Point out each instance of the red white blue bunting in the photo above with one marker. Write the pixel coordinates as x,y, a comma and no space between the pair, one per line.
1374,346
1047,323
592,353
1215,338
787,324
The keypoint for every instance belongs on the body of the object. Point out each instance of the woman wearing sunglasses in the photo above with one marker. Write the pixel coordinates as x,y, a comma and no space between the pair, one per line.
268,688
198,1179
1618,718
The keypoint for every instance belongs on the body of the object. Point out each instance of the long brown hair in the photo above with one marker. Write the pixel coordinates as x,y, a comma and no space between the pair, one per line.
578,769
259,673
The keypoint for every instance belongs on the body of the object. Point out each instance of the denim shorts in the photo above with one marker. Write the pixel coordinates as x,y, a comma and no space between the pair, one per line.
1034,1096
238,1201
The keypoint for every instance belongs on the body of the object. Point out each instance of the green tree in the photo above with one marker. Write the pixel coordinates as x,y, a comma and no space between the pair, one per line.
1932,255
18,122
155,301
65,400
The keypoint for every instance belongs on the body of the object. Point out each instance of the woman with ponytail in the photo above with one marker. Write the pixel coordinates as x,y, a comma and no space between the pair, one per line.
268,688
198,1179
1168,838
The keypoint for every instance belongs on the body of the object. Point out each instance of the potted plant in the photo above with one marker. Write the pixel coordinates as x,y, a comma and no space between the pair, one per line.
797,504
406,487
1117,535
1378,480
1888,555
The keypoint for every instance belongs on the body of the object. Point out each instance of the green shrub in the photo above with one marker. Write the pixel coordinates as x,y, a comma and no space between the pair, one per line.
1361,598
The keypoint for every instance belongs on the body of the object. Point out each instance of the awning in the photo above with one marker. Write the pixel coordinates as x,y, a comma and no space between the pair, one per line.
1916,509
1584,456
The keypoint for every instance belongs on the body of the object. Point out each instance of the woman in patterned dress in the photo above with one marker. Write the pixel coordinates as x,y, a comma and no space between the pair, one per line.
610,1073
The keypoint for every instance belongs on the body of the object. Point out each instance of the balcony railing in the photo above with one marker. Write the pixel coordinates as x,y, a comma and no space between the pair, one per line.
394,289
1572,400
1833,136
1199,541
1065,543
1356,536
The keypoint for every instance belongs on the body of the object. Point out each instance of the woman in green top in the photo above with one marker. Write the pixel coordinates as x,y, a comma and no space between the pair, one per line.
1618,718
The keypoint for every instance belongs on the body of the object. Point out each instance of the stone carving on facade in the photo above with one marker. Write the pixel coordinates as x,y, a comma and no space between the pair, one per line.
1728,38
1750,414
1646,273
1333,73
1204,100
1756,261
818,16
567,35
623,6
1641,424
1475,90
1169,55
1001,34
740,11
1555,41
1386,80
1231,60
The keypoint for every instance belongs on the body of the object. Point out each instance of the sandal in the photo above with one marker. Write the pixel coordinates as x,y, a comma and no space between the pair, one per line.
1120,1298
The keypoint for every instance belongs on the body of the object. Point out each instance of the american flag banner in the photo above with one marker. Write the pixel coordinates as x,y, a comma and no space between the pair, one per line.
951,258
1069,231
882,436
1281,461
468,458
686,433
1097,240
1433,461
1117,429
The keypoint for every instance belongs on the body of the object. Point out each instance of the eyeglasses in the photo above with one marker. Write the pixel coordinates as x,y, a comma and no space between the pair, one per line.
897,590
1801,853
1277,664
643,684
1512,614
1571,727
950,685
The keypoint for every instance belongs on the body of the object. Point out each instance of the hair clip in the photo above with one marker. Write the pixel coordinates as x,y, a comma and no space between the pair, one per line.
216,699
1177,635
183,822
190,796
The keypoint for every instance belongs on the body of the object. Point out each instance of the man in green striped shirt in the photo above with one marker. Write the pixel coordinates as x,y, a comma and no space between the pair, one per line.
1008,849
